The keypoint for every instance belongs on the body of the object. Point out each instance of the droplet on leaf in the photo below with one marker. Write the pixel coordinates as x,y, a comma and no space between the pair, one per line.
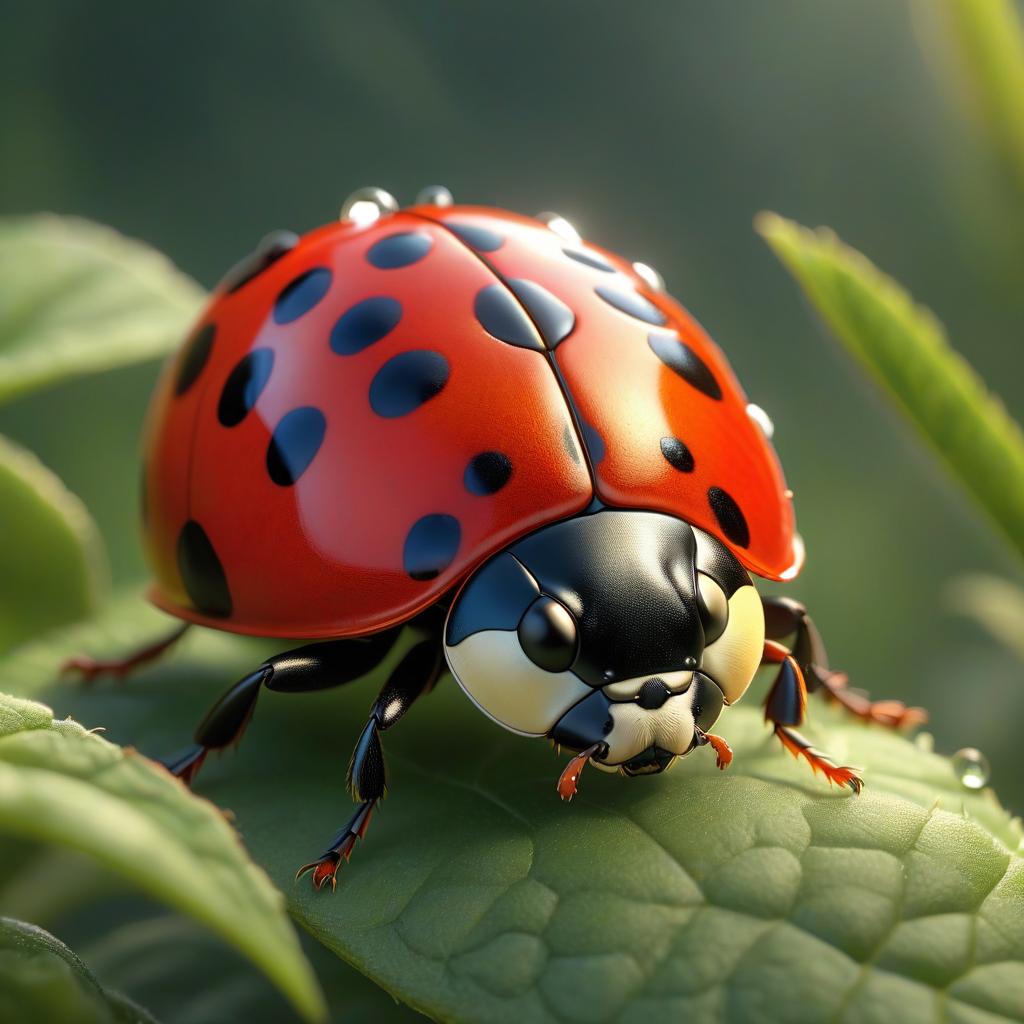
971,767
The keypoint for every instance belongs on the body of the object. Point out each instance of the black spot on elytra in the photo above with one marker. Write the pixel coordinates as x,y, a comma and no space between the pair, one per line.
502,316
680,358
202,573
364,324
430,546
294,444
268,252
594,442
244,386
399,250
590,259
554,319
487,473
476,237
730,517
632,303
406,381
300,295
194,357
677,454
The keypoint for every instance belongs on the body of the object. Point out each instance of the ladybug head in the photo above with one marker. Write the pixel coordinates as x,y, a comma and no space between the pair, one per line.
626,628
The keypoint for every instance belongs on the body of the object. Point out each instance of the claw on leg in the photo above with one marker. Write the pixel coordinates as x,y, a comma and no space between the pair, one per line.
569,780
800,746
325,867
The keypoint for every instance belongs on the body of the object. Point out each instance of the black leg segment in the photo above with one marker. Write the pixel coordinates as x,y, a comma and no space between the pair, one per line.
414,675
303,670
784,617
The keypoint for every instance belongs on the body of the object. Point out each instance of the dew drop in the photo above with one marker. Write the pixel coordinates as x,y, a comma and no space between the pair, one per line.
365,206
561,227
971,767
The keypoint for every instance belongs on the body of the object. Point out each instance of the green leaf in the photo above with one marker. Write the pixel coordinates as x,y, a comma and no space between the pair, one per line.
997,605
150,957
61,784
143,951
77,298
988,45
43,982
905,349
752,894
52,564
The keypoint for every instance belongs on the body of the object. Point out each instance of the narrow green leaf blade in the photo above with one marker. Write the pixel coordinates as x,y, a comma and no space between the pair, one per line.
987,42
52,564
905,349
478,895
44,982
61,784
77,298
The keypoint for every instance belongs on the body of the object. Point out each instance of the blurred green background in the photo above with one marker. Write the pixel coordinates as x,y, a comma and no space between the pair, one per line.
659,130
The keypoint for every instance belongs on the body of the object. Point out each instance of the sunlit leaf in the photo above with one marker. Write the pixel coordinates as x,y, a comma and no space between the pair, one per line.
905,349
478,895
61,784
52,565
77,298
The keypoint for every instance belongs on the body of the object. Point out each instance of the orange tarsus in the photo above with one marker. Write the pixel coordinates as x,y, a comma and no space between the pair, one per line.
892,713
839,775
723,752
568,781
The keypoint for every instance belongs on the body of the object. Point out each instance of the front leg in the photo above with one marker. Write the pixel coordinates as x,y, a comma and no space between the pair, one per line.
786,706
783,618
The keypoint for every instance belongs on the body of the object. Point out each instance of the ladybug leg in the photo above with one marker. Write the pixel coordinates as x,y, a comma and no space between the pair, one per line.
783,618
786,706
723,752
88,668
415,675
313,667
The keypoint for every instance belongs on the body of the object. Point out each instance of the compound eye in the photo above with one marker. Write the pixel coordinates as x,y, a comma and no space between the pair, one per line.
547,633
714,607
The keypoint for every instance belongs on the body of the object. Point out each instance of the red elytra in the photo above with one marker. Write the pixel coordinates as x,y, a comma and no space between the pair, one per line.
501,379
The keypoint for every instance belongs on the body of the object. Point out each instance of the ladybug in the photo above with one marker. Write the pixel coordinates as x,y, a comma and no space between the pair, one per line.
476,426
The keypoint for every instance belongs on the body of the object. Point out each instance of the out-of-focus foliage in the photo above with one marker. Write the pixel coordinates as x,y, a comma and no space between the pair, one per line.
986,42
77,298
905,349
996,604
52,564
43,982
64,785
479,895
